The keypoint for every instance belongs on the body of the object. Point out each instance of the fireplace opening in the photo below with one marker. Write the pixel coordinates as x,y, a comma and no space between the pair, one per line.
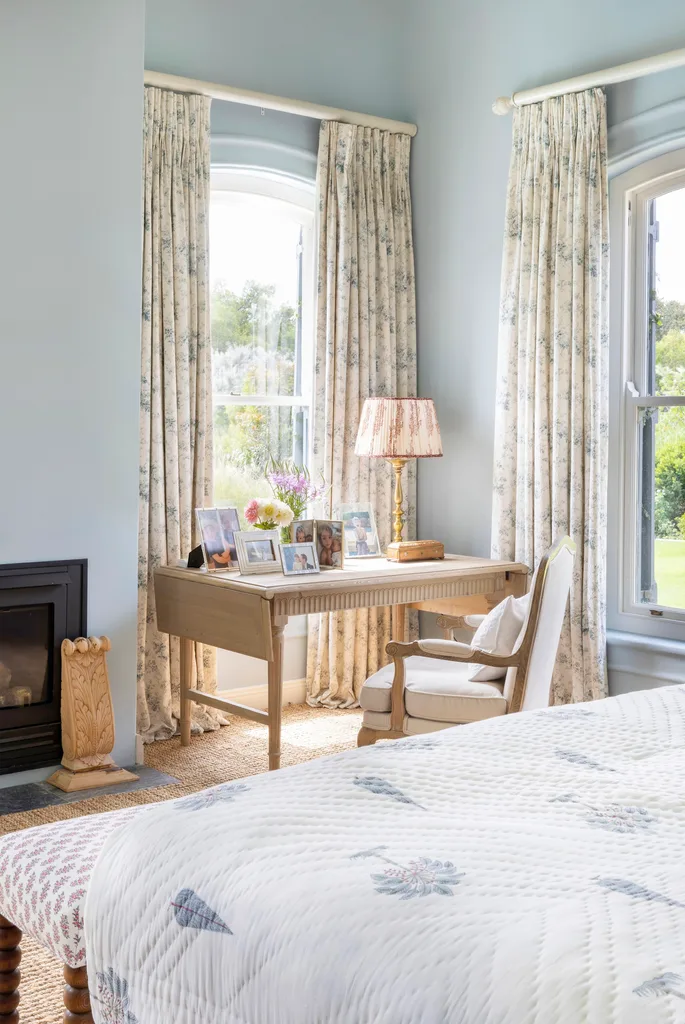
41,604
26,642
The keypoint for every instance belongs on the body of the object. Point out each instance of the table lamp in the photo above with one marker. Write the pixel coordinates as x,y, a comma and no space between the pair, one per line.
399,429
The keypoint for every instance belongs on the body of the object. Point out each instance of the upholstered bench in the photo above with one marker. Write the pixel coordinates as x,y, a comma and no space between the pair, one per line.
44,875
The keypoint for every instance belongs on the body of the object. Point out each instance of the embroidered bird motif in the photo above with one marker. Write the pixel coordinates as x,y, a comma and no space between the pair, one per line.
191,911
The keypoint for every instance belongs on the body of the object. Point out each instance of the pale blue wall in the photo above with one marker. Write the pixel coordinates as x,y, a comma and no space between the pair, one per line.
344,55
251,137
459,58
70,182
341,54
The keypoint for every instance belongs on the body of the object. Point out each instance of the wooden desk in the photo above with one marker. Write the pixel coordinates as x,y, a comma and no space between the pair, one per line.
247,614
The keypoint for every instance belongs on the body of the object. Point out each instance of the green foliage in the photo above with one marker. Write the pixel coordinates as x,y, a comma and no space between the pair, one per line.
253,352
670,316
669,480
670,363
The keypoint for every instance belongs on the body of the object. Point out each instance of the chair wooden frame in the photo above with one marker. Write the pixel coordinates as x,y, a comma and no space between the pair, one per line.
465,654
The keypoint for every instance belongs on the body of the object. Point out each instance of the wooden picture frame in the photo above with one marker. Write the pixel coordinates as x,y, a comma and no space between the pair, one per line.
258,551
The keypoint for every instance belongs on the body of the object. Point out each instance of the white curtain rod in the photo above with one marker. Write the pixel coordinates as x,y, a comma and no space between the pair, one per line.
621,73
263,99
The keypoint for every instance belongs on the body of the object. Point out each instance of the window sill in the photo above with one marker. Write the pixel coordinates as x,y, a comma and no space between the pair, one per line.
638,662
640,642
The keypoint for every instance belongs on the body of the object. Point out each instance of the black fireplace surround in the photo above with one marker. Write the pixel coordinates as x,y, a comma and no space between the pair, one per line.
41,604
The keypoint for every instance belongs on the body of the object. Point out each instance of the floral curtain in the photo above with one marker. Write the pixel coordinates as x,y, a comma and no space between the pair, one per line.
365,346
552,404
176,390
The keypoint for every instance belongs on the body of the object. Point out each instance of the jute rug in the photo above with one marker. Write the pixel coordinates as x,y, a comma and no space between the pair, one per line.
232,753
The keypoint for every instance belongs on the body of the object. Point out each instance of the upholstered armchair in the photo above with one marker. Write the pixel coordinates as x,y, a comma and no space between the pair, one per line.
429,686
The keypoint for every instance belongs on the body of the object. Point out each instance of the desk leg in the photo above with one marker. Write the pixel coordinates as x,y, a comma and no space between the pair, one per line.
399,623
186,684
275,693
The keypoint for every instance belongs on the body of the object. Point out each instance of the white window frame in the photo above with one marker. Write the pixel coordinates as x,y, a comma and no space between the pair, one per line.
297,197
629,197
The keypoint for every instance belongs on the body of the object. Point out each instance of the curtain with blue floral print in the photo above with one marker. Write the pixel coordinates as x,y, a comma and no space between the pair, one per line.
176,388
365,346
551,429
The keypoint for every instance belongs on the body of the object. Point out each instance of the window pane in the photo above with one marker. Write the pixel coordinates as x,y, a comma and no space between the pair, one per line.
663,506
256,282
244,438
666,240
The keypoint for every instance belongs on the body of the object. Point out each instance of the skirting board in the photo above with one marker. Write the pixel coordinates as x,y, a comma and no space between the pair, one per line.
294,692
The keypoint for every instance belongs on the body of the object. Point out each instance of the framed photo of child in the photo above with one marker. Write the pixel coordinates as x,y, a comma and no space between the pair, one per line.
216,528
329,543
360,539
302,531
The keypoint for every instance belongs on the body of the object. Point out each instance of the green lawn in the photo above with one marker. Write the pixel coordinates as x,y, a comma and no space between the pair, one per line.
669,570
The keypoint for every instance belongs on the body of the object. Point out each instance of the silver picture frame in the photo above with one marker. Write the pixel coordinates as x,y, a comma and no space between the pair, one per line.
258,551
360,540
292,555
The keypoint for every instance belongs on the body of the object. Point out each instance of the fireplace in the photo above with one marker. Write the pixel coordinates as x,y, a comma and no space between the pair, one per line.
41,604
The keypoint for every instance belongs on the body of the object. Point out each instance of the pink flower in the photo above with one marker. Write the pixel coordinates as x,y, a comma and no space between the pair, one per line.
252,511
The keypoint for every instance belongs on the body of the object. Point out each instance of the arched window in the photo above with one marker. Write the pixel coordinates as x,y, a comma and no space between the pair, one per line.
262,302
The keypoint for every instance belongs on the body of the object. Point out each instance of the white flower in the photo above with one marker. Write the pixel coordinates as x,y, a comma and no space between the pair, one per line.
283,514
267,510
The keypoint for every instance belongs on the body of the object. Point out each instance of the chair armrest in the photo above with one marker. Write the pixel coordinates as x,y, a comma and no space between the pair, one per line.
450,650
448,623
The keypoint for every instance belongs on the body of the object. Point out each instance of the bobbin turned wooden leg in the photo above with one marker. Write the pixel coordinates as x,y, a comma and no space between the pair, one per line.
10,976
76,996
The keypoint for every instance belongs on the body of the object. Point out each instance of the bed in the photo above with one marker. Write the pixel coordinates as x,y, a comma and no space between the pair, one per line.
524,870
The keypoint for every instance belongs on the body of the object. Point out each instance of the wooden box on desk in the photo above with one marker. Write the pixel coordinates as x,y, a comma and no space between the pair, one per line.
414,550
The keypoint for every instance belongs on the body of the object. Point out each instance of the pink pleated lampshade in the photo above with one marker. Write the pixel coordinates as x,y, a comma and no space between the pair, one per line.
398,428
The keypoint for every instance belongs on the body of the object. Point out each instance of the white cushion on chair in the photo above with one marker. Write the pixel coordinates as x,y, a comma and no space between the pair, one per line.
436,690
498,633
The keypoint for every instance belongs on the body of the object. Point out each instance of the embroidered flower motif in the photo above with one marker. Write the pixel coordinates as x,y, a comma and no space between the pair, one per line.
420,877
613,817
113,999
381,787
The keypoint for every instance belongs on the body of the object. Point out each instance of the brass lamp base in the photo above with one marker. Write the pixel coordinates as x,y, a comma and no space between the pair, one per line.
398,515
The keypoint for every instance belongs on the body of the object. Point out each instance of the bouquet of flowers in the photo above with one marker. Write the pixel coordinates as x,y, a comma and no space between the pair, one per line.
268,514
293,486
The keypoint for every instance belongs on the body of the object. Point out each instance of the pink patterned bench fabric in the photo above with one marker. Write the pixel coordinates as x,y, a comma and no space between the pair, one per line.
44,875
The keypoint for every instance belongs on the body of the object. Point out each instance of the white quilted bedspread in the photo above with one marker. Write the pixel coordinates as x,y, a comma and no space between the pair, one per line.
525,870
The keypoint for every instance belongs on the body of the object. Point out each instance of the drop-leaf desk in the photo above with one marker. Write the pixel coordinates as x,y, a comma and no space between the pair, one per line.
247,614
